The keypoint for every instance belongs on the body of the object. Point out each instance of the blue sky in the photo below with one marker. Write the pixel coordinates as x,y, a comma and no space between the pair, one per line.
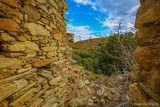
89,18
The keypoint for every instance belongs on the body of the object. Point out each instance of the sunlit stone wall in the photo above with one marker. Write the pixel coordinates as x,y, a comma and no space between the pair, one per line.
33,66
145,91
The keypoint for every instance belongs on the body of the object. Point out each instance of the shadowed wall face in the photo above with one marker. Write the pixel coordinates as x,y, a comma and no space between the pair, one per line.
33,68
146,88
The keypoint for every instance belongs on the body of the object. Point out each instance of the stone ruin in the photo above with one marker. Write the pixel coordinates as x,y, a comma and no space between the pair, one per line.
145,91
35,67
33,59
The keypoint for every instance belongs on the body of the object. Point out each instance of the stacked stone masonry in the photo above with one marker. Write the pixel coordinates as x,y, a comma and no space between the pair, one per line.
145,91
33,63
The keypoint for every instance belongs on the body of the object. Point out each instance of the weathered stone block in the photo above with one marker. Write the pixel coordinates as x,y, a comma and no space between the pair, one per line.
32,13
147,35
37,30
26,37
51,48
154,81
148,17
21,92
45,73
58,37
10,88
43,62
49,102
152,94
37,102
38,95
9,25
53,3
16,77
41,1
62,48
56,81
23,70
12,3
7,62
6,37
25,97
21,46
51,54
8,12
137,96
4,103
148,57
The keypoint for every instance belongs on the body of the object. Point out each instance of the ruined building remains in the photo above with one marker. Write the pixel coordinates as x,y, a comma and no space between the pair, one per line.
33,61
145,91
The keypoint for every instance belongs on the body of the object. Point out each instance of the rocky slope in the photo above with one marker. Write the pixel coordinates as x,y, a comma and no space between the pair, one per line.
102,91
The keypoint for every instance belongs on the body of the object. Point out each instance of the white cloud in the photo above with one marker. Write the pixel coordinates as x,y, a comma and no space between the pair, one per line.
98,19
86,2
113,6
80,32
83,2
111,22
118,7
123,10
126,23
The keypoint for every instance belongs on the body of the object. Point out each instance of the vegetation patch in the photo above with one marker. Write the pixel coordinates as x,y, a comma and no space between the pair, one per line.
115,55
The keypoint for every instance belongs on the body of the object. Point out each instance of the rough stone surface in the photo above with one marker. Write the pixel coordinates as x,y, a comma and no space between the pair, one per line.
21,46
43,62
12,3
145,91
6,38
48,49
9,25
10,88
37,30
8,62
31,59
32,13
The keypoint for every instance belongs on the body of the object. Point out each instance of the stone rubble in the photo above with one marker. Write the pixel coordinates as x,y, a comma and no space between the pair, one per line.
102,91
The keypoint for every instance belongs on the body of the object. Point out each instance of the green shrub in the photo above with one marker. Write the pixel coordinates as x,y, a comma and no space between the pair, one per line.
115,55
88,59
118,52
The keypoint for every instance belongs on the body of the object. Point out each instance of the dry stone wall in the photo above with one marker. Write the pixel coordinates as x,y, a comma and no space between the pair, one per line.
33,63
145,91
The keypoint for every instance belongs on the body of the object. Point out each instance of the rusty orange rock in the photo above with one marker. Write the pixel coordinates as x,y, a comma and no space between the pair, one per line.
9,25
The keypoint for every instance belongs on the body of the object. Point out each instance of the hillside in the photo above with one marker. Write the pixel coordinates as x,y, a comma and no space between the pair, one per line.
90,44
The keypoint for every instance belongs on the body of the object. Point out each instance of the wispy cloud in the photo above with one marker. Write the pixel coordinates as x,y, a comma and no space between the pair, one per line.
81,32
123,10
86,2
